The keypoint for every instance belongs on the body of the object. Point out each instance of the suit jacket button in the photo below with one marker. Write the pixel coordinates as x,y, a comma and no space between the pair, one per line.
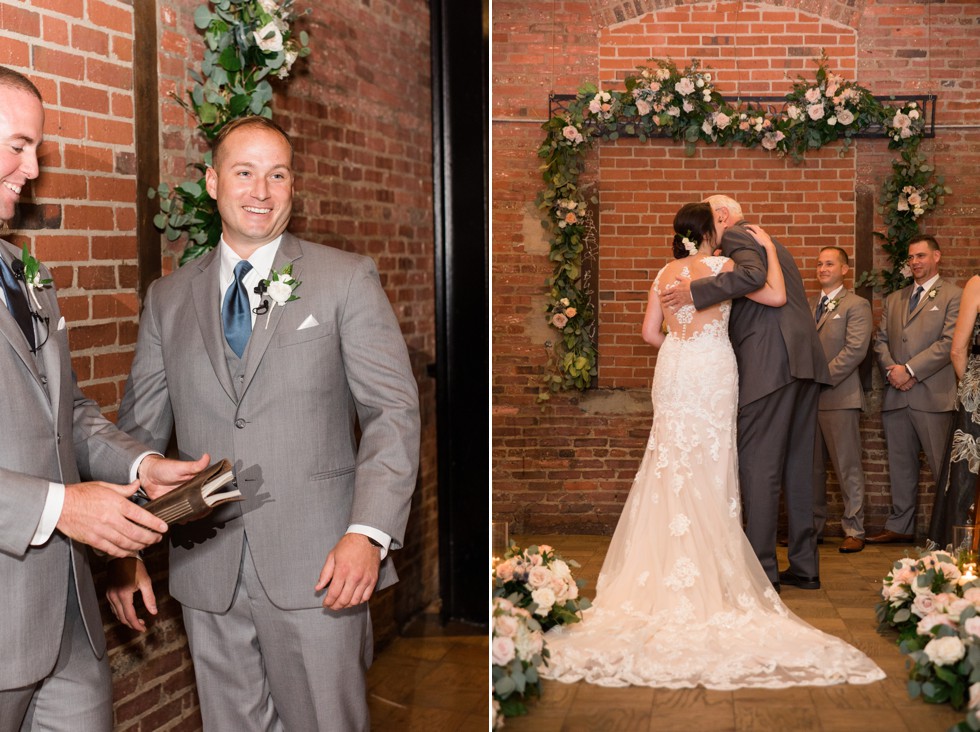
44,380
240,423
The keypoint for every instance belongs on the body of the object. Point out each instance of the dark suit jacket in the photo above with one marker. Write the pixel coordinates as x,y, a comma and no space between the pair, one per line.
773,346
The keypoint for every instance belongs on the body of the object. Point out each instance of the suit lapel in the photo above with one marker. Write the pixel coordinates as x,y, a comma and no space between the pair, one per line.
827,313
265,325
924,299
10,330
207,303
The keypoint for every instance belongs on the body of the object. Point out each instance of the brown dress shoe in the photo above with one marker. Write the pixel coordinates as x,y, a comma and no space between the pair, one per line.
850,545
890,537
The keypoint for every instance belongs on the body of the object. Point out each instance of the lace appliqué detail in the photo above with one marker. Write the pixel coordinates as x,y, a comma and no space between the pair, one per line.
965,447
679,525
684,574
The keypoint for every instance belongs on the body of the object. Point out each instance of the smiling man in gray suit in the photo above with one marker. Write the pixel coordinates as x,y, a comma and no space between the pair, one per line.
780,369
53,670
913,346
844,327
274,588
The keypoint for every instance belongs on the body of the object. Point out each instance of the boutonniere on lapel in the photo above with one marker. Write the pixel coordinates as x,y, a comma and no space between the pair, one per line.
280,288
28,269
932,293
832,305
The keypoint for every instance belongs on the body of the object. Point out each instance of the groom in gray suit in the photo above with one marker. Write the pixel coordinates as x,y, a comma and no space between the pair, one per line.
781,366
268,351
53,670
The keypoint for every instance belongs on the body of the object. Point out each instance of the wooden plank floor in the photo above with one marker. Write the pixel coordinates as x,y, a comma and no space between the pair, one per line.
431,678
844,606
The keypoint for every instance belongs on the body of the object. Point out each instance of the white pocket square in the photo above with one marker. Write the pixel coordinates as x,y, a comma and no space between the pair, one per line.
934,308
837,317
308,323
61,323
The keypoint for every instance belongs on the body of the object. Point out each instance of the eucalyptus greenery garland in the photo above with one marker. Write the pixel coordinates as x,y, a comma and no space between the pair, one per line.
662,100
248,45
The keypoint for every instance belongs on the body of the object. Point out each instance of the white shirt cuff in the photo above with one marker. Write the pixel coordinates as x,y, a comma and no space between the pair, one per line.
136,464
909,369
53,504
379,536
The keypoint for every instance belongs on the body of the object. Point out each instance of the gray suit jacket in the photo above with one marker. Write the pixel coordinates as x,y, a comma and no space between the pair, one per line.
288,425
53,433
845,334
773,346
922,339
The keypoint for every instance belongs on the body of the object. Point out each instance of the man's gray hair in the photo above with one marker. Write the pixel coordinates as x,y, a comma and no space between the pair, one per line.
725,202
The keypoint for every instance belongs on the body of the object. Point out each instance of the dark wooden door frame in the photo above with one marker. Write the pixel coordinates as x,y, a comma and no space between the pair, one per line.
460,58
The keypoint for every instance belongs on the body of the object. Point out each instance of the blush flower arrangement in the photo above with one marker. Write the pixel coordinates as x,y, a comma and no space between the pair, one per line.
539,580
518,650
933,602
533,591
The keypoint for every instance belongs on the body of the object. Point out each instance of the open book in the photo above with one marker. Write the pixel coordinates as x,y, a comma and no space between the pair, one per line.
197,497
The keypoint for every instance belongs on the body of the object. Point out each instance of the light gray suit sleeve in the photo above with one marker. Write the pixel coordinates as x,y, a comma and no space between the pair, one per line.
379,375
883,353
146,411
857,337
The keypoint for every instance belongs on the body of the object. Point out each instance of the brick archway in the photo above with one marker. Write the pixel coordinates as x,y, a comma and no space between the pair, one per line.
611,12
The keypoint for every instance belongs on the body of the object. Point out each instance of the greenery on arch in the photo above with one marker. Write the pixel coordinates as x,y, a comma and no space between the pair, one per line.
662,100
248,46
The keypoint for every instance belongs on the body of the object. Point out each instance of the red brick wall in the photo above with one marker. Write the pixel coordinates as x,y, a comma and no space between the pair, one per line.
359,112
569,465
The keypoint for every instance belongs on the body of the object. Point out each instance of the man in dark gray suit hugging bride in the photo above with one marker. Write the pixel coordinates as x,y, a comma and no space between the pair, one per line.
781,367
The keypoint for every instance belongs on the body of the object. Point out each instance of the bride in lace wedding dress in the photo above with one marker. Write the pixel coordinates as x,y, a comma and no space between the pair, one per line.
682,600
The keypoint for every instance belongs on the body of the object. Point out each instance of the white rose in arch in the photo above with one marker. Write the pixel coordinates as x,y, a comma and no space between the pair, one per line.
269,6
503,651
269,38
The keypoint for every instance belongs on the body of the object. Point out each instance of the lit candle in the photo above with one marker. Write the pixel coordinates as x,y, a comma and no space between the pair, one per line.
968,573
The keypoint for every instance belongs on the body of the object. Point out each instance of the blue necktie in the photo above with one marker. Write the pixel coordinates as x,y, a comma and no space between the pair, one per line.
17,303
236,316
915,298
821,308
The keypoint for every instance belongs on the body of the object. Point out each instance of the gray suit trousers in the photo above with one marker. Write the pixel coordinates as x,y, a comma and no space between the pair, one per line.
775,451
260,668
75,697
907,431
838,437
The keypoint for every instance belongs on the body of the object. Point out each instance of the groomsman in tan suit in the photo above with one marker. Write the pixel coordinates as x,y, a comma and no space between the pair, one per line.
914,339
844,327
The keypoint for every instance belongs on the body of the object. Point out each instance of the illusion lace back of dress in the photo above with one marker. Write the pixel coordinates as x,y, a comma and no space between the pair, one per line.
681,599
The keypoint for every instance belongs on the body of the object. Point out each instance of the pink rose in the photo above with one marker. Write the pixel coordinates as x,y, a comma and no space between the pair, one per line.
812,95
539,577
923,605
972,626
503,651
815,111
505,571
558,320
571,312
505,625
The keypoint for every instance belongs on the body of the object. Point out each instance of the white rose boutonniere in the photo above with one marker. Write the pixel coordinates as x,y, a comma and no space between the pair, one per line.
932,293
280,287
832,305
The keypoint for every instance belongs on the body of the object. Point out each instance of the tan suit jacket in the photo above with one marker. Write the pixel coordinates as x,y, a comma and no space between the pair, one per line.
921,339
845,334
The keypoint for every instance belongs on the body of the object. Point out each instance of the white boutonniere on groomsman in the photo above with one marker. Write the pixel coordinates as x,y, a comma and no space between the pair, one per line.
932,293
280,287
832,305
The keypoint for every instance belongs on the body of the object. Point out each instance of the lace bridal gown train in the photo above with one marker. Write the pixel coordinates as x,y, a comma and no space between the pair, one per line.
682,600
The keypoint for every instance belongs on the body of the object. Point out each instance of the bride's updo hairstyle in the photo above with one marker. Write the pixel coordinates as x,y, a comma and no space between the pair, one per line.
694,222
